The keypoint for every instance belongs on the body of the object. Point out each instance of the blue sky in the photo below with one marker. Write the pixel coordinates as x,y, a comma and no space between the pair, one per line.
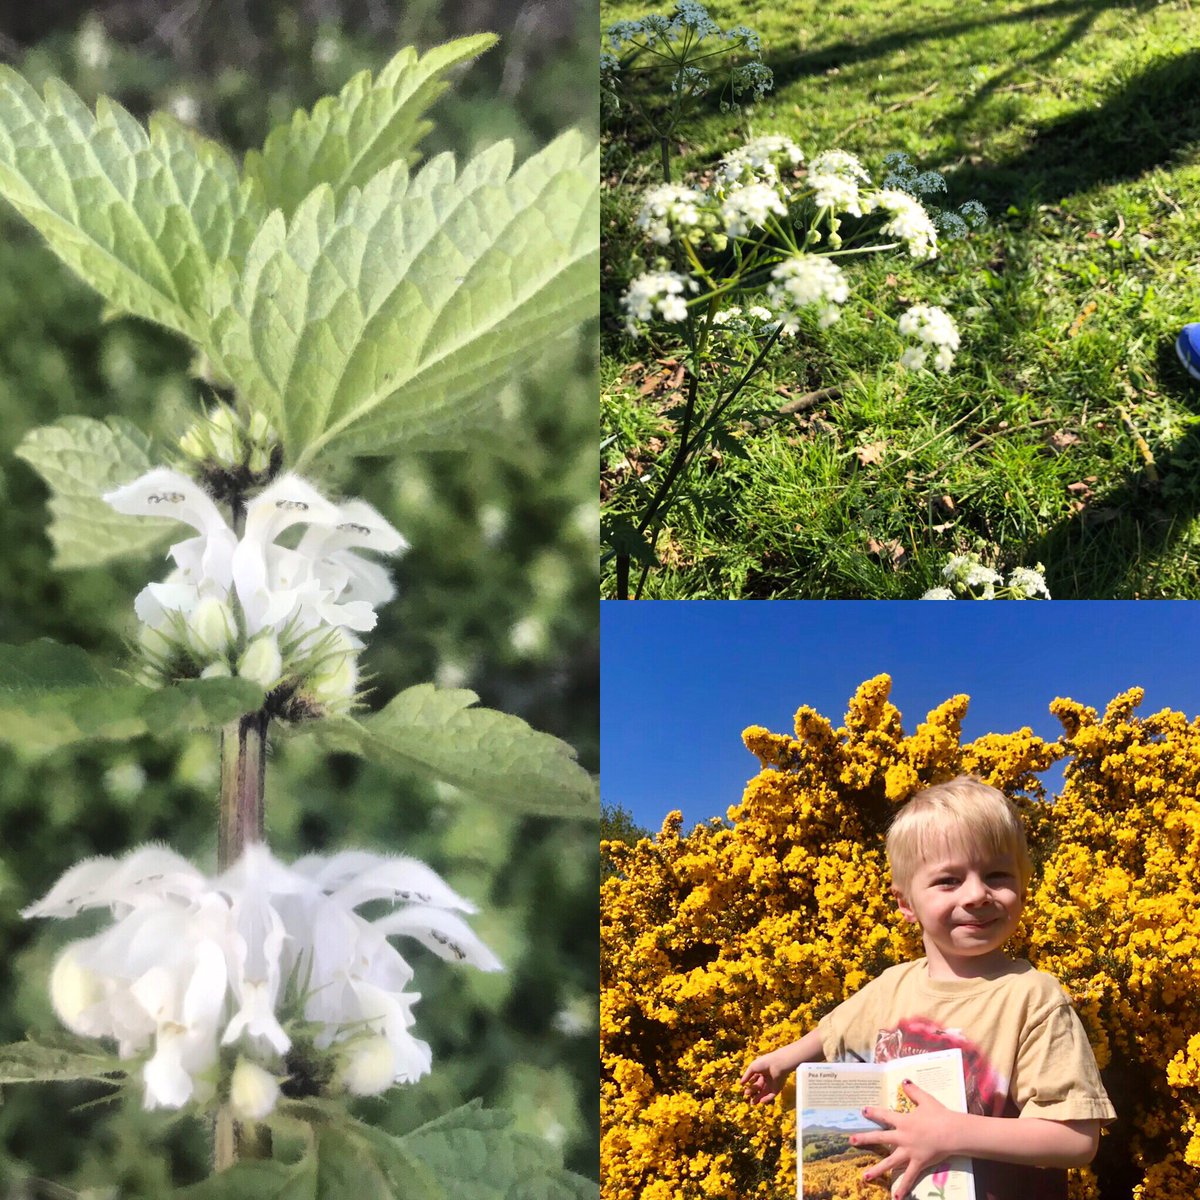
680,680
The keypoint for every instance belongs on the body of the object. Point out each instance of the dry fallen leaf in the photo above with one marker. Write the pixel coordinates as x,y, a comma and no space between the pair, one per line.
1061,439
891,552
871,453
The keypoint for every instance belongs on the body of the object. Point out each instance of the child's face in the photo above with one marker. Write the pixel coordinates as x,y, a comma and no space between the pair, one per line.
967,903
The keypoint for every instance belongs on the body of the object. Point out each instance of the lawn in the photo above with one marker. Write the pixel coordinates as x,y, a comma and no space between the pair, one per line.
1067,432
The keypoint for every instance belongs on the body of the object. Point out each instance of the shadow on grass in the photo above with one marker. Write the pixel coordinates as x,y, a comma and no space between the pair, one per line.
1105,551
1144,125
1148,123
846,53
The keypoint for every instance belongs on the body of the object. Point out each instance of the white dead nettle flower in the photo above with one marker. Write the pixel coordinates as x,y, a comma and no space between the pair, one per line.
658,293
190,964
909,221
288,599
807,281
933,327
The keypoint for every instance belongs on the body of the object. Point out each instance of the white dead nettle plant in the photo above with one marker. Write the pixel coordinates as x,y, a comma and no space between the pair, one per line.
351,303
191,964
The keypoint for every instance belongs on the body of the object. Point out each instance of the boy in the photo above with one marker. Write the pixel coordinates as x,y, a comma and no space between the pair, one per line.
960,869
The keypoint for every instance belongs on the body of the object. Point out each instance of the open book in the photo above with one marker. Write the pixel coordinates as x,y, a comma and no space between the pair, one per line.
829,1102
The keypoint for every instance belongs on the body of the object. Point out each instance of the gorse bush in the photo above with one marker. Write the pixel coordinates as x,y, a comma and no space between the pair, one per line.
740,936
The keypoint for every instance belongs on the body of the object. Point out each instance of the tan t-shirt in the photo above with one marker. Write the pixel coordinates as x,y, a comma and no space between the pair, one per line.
1024,1049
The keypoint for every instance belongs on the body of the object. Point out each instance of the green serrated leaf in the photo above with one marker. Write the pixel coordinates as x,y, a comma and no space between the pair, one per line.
142,216
260,1181
347,138
44,664
384,320
494,756
347,1167
477,1157
80,459
199,704
53,695
31,1062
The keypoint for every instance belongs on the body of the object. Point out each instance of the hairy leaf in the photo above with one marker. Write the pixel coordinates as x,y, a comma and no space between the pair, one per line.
494,756
384,320
53,695
478,1157
80,459
468,1154
258,1181
142,216
347,138
31,1062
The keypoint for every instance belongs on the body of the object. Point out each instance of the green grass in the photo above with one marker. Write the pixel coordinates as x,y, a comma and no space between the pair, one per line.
1067,433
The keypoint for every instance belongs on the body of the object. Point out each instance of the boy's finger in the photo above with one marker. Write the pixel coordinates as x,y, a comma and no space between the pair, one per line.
883,1167
881,1116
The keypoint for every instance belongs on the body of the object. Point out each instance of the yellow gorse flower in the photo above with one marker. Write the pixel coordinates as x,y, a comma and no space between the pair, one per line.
742,933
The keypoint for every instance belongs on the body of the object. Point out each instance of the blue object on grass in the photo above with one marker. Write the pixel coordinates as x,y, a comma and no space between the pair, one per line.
1188,347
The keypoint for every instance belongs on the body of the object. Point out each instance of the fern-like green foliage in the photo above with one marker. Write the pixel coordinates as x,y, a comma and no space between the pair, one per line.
354,303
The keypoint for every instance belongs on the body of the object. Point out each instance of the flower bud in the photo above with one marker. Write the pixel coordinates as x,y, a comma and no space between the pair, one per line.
225,434
156,643
211,627
252,1091
262,661
333,685
73,990
216,670
369,1066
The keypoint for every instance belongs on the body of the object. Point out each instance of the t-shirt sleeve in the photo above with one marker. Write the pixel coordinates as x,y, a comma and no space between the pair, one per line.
848,1032
1056,1075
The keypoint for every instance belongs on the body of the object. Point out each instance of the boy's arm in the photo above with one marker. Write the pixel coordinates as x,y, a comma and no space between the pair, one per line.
764,1078
931,1133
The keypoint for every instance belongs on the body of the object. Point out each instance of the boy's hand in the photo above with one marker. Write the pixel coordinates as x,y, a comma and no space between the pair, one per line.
763,1079
919,1140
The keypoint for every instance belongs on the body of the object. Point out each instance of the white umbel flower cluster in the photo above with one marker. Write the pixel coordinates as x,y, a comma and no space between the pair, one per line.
933,328
252,607
807,281
670,209
909,221
750,207
764,160
969,579
658,293
834,177
191,964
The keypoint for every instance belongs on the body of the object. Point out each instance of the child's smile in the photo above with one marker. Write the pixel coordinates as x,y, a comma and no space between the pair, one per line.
967,906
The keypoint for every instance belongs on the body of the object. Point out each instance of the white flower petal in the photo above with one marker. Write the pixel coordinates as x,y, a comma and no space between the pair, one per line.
398,878
443,933
166,493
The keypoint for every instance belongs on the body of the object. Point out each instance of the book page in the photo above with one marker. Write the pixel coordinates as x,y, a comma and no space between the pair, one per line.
829,1102
941,1075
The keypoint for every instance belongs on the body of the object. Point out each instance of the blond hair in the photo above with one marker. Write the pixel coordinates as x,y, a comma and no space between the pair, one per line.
964,813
